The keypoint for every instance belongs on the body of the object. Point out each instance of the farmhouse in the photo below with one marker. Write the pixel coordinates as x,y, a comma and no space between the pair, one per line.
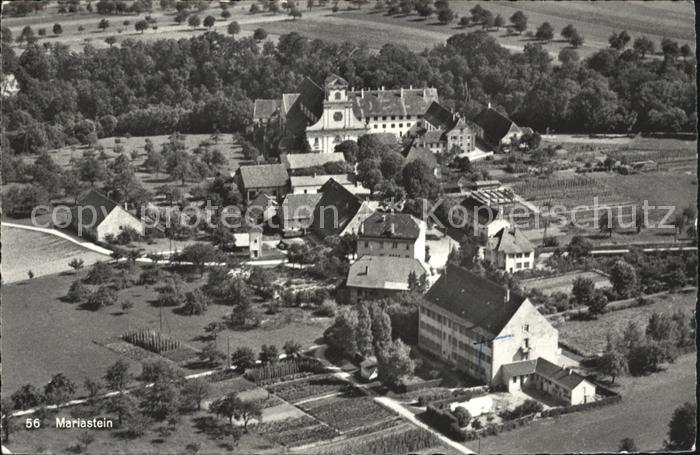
420,152
271,179
297,161
98,217
249,243
261,209
545,376
264,111
510,250
326,116
481,327
297,212
497,131
339,211
392,234
310,184
373,277
444,131
484,215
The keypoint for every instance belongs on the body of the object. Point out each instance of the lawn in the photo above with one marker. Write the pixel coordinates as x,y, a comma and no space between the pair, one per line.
643,415
590,336
42,253
563,283
65,338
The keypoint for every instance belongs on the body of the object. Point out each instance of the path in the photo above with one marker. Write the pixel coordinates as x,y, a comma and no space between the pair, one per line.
388,402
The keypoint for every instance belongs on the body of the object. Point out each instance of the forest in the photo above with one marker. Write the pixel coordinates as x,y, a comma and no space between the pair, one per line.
207,84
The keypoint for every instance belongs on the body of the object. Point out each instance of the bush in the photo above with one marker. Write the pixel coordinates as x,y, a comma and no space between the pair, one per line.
582,407
328,309
77,292
529,407
282,369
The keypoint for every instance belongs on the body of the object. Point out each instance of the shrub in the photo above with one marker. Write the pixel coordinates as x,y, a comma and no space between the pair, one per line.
151,340
527,408
77,292
327,309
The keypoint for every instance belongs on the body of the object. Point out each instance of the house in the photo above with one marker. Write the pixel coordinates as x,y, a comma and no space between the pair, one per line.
262,209
419,152
510,250
444,131
369,369
480,326
484,217
392,234
542,375
97,217
339,211
298,161
497,130
375,277
310,184
265,111
271,179
325,116
249,243
297,212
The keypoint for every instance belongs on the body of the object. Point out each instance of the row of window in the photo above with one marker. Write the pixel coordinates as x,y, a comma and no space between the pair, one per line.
394,245
519,255
393,125
522,265
395,117
467,332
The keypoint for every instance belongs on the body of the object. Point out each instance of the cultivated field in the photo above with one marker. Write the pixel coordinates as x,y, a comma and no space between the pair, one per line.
590,336
43,254
65,338
643,415
563,283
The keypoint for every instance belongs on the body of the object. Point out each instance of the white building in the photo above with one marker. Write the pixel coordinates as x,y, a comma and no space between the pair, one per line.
392,234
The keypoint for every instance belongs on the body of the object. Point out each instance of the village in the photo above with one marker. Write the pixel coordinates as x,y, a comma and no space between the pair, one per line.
335,265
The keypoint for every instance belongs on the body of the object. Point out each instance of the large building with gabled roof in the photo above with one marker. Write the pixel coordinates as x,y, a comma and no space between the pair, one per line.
480,326
98,217
392,234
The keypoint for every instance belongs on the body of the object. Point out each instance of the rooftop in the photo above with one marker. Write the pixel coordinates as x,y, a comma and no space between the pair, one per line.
318,180
564,377
264,176
380,102
391,225
494,125
307,160
383,272
102,204
300,205
263,109
482,302
510,241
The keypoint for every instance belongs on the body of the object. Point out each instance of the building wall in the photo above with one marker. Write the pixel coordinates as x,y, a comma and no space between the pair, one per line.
278,192
583,393
115,222
363,294
385,247
337,123
397,124
511,263
528,335
464,138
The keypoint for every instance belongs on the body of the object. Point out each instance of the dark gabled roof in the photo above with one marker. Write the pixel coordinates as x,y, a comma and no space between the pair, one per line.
306,109
101,204
306,160
384,272
262,201
390,225
564,377
510,241
494,125
300,205
346,205
522,368
475,299
334,80
369,103
418,152
439,116
485,213
264,176
264,109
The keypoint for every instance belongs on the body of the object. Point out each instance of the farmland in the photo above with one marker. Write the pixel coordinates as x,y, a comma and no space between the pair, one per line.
563,283
294,391
66,338
348,411
42,253
590,336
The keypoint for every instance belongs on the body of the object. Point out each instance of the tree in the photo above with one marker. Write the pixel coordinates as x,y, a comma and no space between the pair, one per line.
681,428
209,22
369,174
619,40
103,24
247,411
196,302
243,358
194,21
162,400
195,391
76,264
225,14
381,328
124,406
623,277
101,297
576,40
59,390
419,180
93,387
597,304
363,332
57,29
117,376
6,423
394,362
269,354
254,9
644,46
662,327
613,363
519,21
583,290
26,397
141,26
341,335
607,223
627,445
110,40
545,32
292,348
211,355
499,21
445,15
199,254
233,28
42,31
295,13
259,34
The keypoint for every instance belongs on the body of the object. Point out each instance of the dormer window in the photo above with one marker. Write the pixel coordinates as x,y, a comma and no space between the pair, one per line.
338,116
338,95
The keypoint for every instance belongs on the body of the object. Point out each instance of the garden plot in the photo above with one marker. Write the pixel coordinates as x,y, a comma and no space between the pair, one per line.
303,389
296,432
349,411
564,283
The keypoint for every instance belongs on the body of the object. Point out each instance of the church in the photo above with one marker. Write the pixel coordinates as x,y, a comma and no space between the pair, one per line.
325,116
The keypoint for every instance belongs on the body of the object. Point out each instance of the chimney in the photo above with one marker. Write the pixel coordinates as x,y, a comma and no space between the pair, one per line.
410,87
489,104
382,88
392,229
401,92
362,93
507,297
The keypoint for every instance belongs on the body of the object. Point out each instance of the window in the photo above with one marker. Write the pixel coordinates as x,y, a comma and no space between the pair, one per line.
526,343
408,124
400,125
408,117
383,117
384,125
394,245
338,95
376,117
338,116
526,265
366,244
393,125
526,327
376,126
337,140
315,142
408,246
393,117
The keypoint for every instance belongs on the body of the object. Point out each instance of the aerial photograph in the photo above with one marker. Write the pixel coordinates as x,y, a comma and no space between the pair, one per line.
332,227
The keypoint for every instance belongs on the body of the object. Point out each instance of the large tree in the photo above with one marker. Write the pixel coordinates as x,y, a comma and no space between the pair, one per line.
682,428
394,362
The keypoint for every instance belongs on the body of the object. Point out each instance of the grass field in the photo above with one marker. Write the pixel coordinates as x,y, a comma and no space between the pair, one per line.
563,283
590,336
63,337
41,253
643,415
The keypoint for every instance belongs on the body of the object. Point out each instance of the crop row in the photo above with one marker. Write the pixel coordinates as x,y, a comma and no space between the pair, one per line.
298,390
346,414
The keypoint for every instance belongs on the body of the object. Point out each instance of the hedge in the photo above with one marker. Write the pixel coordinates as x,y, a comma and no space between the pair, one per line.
582,407
283,369
411,387
445,422
451,397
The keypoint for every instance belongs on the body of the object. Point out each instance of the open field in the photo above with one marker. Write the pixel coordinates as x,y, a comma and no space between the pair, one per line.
590,336
43,254
643,415
563,283
64,337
